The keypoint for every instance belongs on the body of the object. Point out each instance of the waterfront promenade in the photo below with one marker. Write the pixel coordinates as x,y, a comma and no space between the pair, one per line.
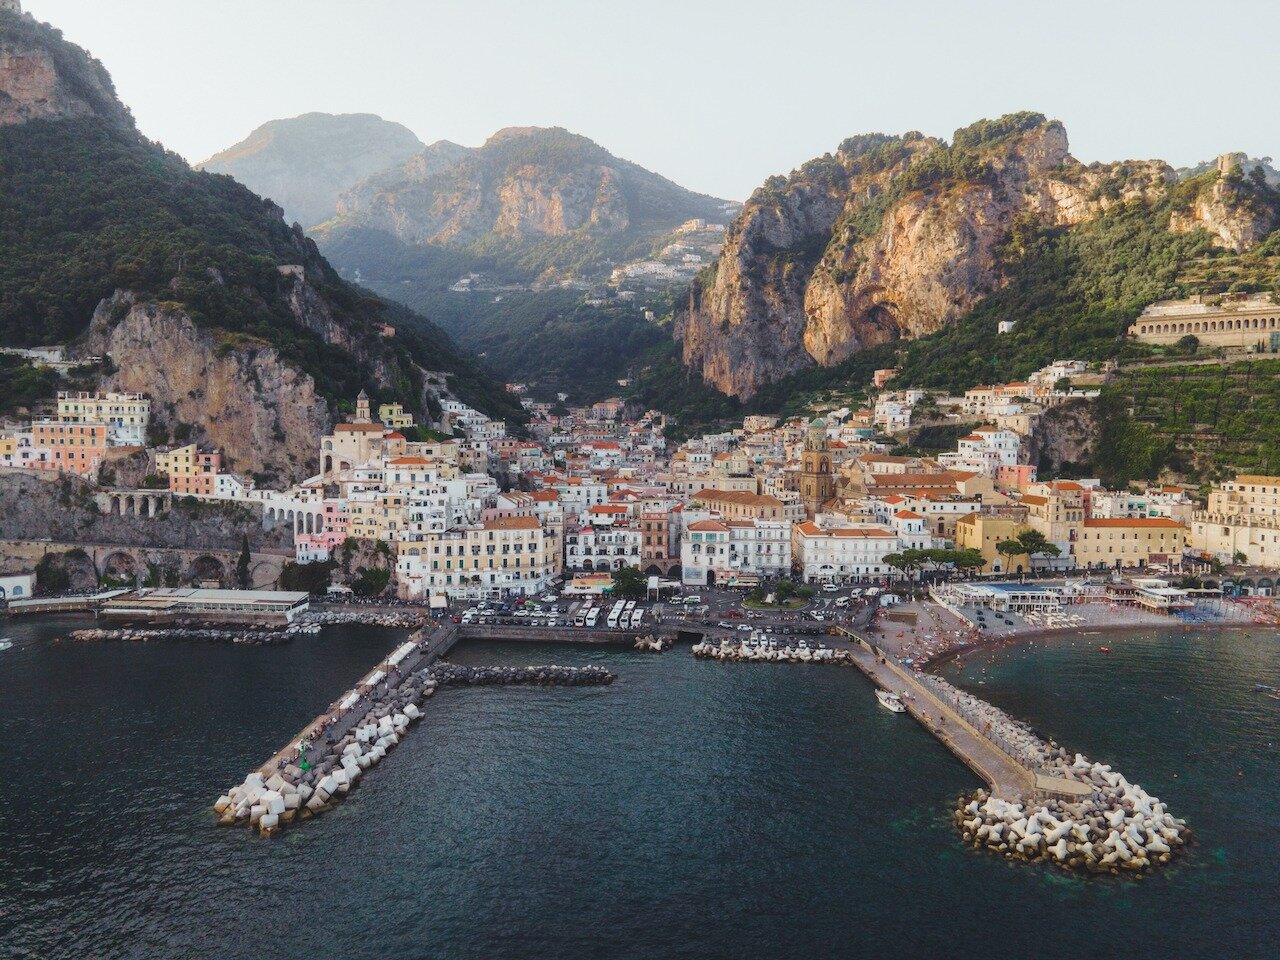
1005,776
431,643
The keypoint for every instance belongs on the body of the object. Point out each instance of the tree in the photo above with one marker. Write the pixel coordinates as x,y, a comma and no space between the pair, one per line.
1010,549
784,590
242,564
1034,544
311,577
1063,385
629,582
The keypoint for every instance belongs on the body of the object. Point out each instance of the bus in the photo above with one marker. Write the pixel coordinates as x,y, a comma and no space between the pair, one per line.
593,617
614,613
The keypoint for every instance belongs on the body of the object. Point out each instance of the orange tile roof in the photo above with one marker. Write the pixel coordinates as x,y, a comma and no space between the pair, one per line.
811,529
512,523
711,526
1150,522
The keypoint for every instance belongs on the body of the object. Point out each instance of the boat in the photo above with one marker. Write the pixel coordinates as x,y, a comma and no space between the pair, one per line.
5,643
1104,649
890,701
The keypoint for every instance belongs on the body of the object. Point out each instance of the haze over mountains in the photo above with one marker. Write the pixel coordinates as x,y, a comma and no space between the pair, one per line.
194,288
305,163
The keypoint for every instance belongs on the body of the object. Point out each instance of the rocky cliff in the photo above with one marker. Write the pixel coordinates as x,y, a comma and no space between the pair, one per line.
40,80
306,163
196,288
530,201
1239,211
234,393
889,238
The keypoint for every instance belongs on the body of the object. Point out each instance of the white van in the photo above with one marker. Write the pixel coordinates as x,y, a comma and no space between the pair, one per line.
842,601
692,600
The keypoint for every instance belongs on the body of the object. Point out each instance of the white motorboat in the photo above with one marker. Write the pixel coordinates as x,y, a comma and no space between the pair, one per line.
890,701
5,644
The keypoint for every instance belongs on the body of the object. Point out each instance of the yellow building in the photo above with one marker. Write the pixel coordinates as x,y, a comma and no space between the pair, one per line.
1243,517
394,417
1057,512
375,515
9,452
507,555
981,531
740,504
1129,542
125,414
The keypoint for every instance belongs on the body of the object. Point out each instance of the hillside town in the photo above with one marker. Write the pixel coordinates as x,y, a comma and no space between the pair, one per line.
475,513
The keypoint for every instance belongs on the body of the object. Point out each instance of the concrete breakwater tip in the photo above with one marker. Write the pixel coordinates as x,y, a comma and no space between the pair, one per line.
733,651
1110,826
268,803
652,644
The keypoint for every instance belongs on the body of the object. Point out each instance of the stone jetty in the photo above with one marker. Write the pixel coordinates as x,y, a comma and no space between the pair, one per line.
734,651
268,799
652,644
304,625
1102,823
238,634
404,620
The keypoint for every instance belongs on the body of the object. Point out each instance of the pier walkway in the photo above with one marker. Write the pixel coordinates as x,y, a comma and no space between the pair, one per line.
1005,776
432,643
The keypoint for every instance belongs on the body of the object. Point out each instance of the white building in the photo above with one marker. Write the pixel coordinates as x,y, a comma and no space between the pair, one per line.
718,551
125,414
841,553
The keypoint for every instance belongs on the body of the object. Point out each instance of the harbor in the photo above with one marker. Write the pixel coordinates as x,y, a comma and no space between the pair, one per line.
324,761
661,760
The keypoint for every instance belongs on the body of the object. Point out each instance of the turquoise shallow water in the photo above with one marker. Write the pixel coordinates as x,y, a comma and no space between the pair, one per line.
692,809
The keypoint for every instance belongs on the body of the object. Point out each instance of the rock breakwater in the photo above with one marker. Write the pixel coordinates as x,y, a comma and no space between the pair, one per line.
213,634
1109,826
323,770
734,651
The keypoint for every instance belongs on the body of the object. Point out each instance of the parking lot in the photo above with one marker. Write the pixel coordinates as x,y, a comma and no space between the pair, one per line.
703,608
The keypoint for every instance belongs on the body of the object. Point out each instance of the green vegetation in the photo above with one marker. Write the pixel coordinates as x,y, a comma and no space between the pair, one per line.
22,383
370,582
92,208
1205,422
629,582
51,576
552,338
311,577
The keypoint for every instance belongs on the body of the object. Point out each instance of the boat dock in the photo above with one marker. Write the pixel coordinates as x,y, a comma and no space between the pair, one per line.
1004,775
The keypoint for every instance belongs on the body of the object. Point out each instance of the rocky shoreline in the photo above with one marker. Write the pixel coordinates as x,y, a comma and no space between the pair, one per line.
1115,827
306,625
652,644
735,651
240,634
291,793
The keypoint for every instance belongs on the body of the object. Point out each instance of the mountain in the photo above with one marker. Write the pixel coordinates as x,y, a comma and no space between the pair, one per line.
305,163
911,238
531,204
191,287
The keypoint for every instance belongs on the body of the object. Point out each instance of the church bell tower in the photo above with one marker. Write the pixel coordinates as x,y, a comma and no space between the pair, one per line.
817,483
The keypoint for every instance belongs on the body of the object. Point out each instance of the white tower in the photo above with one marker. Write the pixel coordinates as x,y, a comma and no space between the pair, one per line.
14,5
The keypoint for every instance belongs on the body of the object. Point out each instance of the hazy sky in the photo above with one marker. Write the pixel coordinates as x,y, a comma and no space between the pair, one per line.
715,94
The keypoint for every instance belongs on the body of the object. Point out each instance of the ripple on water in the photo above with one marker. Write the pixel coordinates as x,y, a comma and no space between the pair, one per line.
692,809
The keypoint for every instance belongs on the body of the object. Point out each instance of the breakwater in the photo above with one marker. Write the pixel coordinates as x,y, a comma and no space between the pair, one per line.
241,634
651,644
1043,804
1106,825
307,624
317,772
735,651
